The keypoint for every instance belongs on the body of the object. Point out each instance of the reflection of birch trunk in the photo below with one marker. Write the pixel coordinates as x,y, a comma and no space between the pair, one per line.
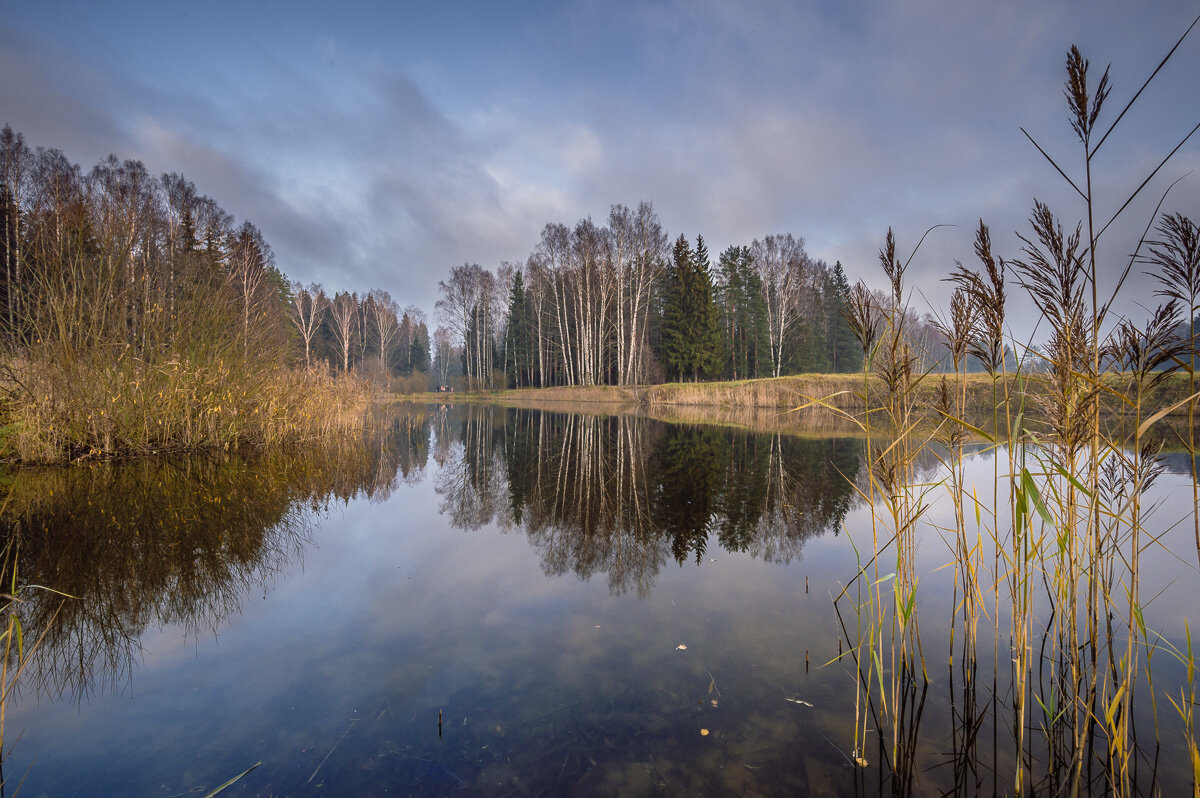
636,434
563,460
584,489
472,483
774,494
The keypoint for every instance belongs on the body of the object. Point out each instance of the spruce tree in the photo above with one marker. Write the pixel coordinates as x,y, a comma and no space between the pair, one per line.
743,316
729,297
845,354
691,321
419,355
519,335
674,346
707,356
758,339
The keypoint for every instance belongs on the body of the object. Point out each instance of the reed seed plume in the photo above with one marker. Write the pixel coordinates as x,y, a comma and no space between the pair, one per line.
995,271
987,297
1119,476
893,268
959,329
863,317
1083,117
1144,353
1175,257
1054,274
1052,271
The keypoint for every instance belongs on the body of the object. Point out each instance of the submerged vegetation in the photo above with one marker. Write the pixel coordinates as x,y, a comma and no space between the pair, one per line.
1049,646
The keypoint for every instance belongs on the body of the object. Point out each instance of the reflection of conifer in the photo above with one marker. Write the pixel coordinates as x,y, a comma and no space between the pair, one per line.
745,491
689,481
521,457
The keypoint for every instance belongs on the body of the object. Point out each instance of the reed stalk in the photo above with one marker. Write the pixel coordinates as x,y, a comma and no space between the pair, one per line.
1067,522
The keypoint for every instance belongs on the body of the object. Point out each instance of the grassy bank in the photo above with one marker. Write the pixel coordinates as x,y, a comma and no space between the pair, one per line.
66,412
816,401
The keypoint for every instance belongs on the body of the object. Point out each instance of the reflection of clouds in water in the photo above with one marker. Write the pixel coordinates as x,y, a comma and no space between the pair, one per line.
624,495
396,615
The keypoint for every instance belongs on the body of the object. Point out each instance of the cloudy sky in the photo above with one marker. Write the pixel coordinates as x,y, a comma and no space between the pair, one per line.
379,144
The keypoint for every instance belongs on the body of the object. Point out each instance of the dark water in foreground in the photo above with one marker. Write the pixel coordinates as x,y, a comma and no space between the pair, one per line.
473,600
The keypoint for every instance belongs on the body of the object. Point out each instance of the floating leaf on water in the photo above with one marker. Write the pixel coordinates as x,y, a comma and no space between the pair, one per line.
799,701
704,732
858,760
681,647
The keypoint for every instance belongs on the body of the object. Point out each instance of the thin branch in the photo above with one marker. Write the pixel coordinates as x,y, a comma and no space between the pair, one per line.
1144,85
1147,180
1133,258
1055,165
913,254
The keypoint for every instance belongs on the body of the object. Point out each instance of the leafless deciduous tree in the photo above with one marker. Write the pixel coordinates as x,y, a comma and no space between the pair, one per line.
249,263
466,306
384,324
443,355
15,161
306,311
782,265
343,310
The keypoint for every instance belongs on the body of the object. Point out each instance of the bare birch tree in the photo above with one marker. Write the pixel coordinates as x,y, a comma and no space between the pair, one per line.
462,308
781,263
306,312
344,312
250,259
384,325
443,343
15,162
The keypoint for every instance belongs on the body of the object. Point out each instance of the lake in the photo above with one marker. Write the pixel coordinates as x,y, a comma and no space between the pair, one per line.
482,600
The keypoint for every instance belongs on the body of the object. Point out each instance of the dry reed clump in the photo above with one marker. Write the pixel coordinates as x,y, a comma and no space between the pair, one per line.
1066,526
85,409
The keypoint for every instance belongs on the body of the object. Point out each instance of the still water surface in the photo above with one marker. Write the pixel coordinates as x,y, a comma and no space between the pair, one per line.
472,600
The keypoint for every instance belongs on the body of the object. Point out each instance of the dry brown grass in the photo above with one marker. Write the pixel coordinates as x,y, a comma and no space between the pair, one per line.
130,408
814,394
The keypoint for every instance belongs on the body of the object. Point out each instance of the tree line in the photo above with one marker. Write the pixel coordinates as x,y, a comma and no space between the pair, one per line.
137,315
620,304
117,258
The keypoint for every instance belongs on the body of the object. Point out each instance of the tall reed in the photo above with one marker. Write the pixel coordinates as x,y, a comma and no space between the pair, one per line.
1067,525
1175,256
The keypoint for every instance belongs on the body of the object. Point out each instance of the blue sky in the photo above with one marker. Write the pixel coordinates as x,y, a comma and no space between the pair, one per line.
380,144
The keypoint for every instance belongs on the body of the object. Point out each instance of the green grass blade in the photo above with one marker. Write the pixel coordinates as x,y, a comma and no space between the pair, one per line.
233,780
1079,486
1030,487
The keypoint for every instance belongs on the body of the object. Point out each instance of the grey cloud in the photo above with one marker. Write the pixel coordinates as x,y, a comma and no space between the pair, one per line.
736,119
53,100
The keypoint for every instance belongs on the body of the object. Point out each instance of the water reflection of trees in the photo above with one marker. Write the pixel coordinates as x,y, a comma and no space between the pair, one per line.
623,495
173,541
